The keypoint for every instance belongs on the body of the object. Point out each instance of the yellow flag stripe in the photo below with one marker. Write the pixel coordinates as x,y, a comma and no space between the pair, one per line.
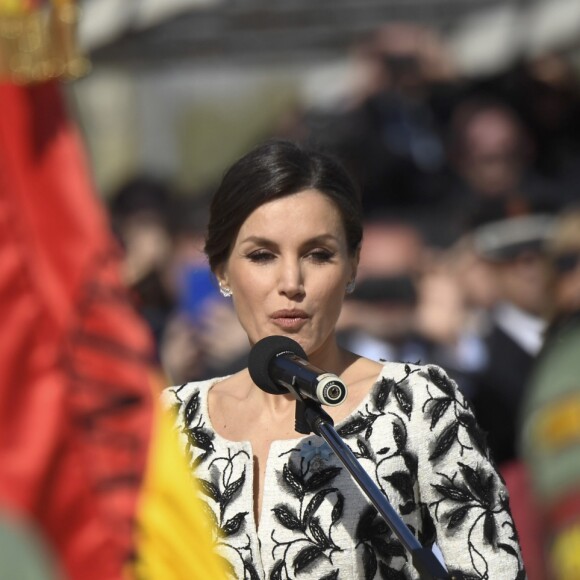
173,537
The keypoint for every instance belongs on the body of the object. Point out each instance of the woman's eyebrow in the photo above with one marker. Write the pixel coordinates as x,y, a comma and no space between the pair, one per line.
323,238
258,240
263,241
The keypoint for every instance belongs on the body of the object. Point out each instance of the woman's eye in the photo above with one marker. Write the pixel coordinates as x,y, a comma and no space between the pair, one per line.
321,256
261,256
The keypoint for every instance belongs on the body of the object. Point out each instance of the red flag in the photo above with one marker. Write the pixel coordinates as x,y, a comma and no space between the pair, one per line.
85,451
75,372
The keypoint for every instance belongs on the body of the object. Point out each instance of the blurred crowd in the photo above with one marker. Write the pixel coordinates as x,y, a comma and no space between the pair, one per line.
471,252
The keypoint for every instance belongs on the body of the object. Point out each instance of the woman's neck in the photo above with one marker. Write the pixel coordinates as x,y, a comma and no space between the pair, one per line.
333,360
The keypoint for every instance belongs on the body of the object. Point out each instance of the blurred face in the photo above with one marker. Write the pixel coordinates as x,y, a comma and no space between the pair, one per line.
523,282
476,279
567,285
493,156
288,270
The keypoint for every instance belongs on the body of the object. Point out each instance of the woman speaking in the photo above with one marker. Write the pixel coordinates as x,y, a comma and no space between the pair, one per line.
283,241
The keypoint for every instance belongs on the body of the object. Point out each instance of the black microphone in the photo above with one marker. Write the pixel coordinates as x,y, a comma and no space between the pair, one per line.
279,365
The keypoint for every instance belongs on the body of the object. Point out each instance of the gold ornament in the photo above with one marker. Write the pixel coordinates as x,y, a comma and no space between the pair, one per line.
38,44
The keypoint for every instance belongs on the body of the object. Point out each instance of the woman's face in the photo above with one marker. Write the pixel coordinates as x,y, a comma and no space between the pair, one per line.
288,269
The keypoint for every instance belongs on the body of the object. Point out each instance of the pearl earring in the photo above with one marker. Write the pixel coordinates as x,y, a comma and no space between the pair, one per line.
350,287
225,292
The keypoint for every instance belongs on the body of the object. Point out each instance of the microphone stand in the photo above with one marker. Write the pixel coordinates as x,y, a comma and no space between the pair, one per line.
310,417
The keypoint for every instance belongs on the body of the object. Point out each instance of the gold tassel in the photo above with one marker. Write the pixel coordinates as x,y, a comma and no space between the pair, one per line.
39,44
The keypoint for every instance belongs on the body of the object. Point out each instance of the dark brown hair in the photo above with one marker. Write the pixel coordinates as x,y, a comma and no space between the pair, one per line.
270,171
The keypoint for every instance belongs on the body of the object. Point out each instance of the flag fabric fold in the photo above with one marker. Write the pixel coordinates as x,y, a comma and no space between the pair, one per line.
81,433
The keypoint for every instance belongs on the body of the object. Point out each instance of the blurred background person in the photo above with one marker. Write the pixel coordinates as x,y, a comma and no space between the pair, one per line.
549,418
515,251
203,336
391,135
412,302
491,153
140,213
378,317
162,232
456,293
546,92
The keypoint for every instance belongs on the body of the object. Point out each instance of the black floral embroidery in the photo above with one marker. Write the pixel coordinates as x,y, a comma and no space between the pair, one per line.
223,488
198,435
451,402
378,545
469,493
401,478
363,421
403,481
473,492
310,483
427,534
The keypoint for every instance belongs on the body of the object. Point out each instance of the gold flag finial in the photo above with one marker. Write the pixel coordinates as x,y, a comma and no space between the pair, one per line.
38,42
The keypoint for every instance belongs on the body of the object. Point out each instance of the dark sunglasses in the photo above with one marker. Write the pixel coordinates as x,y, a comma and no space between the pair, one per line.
567,262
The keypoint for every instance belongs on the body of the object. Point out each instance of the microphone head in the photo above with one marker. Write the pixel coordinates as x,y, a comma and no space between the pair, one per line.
261,356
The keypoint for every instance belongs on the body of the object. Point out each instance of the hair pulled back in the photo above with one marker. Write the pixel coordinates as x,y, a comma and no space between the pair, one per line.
270,171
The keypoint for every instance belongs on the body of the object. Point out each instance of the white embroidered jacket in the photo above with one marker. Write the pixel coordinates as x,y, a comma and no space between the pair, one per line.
413,433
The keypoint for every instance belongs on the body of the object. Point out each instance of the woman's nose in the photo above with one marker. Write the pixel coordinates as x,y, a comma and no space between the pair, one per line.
291,281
